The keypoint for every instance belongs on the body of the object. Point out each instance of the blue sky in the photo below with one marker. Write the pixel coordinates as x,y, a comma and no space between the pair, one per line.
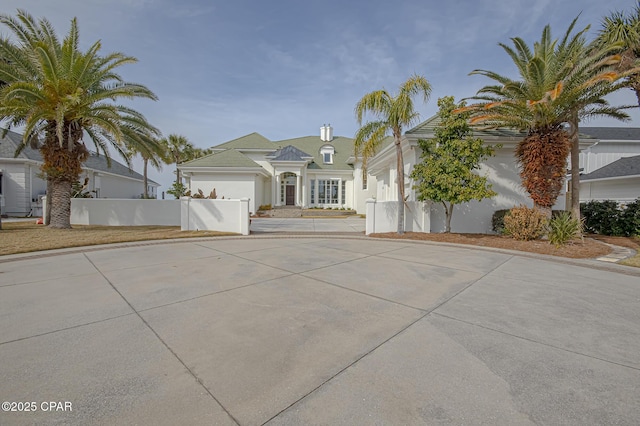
283,68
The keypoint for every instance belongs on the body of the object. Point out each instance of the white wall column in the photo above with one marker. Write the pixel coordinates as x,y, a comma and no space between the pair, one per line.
277,203
298,189
273,190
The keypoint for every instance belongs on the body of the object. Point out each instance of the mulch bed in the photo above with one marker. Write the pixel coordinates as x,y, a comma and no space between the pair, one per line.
580,249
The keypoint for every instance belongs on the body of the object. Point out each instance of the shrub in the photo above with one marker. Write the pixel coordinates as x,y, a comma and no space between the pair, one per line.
630,219
264,207
523,223
563,228
601,217
497,221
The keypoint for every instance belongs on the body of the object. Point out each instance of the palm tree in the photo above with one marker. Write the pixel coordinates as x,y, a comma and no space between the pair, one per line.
179,150
58,93
560,82
393,113
151,151
624,30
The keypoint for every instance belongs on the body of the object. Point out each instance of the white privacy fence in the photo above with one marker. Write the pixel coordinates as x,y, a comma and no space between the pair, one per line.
382,216
118,212
215,215
188,213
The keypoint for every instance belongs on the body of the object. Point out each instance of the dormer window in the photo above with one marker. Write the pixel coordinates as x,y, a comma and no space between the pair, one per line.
327,152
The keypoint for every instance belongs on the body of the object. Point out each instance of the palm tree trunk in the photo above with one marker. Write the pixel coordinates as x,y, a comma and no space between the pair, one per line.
60,207
400,186
145,180
575,167
47,216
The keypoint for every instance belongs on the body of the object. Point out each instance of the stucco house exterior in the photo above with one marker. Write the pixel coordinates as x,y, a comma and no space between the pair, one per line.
322,171
310,171
22,185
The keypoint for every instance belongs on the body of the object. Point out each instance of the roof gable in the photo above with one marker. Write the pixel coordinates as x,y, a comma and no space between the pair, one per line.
626,166
290,153
251,141
228,158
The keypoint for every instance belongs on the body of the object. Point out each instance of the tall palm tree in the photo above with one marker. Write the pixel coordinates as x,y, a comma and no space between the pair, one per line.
560,82
179,150
151,151
392,114
58,93
624,30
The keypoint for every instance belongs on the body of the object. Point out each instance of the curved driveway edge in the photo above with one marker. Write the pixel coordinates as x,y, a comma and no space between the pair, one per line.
317,330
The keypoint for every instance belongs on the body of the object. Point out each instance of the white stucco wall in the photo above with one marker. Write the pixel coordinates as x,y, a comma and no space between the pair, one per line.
382,216
621,190
229,186
215,215
124,212
475,216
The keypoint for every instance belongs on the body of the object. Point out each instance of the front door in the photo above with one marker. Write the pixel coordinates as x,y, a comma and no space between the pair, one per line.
291,195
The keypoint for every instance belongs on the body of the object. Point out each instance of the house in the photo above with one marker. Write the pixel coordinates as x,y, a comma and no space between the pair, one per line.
607,172
619,181
22,185
502,172
314,171
310,171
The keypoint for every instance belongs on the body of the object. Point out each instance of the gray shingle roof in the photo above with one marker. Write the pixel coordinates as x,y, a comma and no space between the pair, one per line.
626,166
612,133
290,153
10,142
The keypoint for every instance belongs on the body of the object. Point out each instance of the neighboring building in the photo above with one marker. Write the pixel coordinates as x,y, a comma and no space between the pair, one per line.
618,181
310,171
21,184
609,145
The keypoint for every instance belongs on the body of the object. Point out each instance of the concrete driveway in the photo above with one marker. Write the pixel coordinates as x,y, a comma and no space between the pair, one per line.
352,224
300,330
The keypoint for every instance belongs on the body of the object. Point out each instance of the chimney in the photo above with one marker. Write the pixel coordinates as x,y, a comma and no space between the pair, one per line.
326,133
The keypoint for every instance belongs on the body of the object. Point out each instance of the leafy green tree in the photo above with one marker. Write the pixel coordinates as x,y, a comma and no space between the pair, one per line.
560,81
59,93
450,161
392,114
178,189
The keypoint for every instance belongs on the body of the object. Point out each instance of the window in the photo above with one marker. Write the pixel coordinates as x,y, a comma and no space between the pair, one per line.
313,191
327,152
364,180
328,192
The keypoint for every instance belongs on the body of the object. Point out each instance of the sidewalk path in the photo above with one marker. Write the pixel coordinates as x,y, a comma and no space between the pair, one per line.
317,330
